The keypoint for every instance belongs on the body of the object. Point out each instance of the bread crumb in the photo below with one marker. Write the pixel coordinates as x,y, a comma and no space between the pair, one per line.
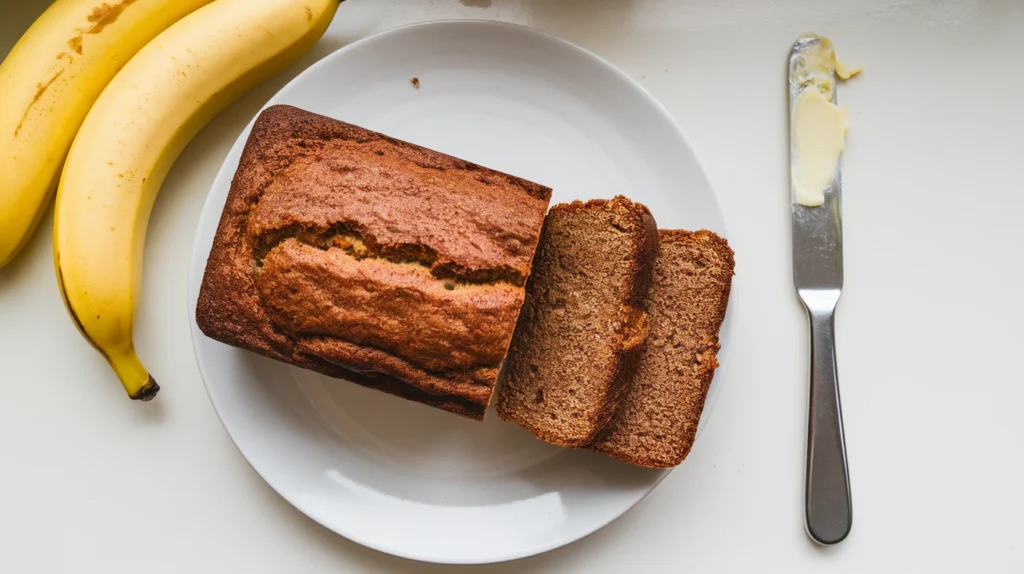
415,82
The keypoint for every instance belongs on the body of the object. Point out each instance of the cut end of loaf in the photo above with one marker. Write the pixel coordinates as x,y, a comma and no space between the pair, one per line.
582,325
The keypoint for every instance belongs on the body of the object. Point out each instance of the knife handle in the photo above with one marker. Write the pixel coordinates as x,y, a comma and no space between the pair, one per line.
828,508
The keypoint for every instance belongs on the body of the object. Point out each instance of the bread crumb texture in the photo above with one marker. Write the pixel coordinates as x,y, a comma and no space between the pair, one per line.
582,324
657,422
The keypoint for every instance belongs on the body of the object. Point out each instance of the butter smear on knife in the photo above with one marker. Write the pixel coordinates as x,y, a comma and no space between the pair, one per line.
818,126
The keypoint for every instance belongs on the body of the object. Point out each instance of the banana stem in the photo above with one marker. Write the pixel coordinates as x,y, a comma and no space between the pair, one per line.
137,381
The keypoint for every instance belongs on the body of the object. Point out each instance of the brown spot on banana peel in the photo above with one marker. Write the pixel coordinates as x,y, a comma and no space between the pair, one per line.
40,90
105,14
309,14
101,17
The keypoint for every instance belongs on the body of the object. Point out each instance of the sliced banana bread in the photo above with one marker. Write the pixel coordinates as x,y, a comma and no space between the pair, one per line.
657,422
582,326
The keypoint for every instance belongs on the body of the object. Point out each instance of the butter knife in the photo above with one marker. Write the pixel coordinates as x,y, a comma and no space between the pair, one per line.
818,277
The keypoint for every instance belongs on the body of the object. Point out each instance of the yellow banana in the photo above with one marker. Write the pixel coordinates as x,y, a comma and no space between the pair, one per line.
132,135
48,82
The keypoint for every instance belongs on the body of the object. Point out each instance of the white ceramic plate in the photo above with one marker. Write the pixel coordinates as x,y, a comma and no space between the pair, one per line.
408,479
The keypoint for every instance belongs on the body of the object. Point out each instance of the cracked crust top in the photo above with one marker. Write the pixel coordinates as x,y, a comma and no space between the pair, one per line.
372,259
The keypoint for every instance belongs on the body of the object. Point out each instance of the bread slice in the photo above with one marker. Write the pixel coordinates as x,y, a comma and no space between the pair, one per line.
582,325
371,259
657,422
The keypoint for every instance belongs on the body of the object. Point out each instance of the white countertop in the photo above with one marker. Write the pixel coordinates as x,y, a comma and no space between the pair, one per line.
927,328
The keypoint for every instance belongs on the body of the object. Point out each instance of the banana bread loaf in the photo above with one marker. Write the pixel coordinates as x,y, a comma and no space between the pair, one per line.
364,257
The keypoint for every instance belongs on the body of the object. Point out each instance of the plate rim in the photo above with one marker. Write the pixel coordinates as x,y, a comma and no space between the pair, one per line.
200,252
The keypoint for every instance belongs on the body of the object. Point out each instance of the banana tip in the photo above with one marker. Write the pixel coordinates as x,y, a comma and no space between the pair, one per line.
148,391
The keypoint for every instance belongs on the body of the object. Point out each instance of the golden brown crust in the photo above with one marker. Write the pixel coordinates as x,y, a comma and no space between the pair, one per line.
657,423
364,257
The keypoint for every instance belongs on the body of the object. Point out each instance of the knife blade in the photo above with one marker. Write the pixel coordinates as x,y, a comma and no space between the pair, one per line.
818,278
